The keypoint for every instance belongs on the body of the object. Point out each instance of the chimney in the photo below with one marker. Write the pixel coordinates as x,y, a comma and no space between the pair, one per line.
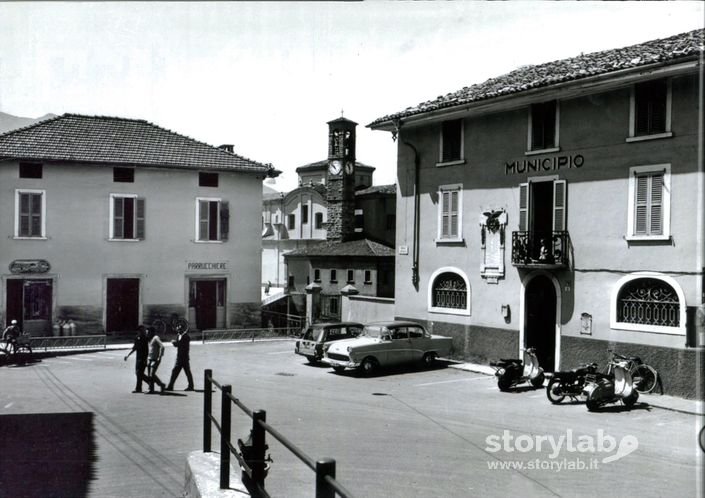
340,180
227,148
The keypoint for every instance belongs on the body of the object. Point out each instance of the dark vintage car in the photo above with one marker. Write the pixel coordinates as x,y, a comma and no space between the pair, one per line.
319,336
385,344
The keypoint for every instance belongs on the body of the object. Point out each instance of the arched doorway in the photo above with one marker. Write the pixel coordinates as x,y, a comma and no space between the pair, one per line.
540,320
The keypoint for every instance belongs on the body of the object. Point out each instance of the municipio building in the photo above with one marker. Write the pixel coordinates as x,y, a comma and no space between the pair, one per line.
561,206
113,222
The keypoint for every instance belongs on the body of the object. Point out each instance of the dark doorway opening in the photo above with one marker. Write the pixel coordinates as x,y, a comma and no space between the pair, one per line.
29,301
208,301
540,324
122,303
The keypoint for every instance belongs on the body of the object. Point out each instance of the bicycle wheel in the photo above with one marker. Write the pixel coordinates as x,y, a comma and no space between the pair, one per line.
644,378
179,325
159,326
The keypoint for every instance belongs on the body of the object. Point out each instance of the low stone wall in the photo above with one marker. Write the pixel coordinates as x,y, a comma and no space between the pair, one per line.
203,478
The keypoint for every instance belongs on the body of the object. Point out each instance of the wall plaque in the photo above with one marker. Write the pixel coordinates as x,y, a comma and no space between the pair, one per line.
29,266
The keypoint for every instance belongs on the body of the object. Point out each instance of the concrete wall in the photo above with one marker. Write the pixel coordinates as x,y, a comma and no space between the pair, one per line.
366,309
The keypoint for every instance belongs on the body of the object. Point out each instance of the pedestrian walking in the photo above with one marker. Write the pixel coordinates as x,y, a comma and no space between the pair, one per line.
141,347
156,351
182,343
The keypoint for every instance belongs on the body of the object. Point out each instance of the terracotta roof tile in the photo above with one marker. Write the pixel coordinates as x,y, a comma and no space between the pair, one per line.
113,140
360,247
378,189
671,49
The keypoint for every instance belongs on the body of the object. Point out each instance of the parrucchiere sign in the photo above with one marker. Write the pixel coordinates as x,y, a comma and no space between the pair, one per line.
195,265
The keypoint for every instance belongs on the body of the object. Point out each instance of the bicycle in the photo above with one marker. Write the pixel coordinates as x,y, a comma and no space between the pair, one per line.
19,350
175,324
645,376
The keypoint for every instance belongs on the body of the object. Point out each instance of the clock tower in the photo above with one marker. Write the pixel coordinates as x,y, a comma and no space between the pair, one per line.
341,180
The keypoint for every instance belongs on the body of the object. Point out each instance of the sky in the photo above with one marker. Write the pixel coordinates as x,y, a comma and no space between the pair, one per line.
268,76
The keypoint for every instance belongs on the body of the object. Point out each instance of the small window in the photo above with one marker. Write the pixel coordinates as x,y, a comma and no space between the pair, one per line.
213,217
650,103
333,276
543,126
124,175
128,218
207,179
304,214
291,222
351,276
333,305
316,275
359,220
368,277
452,140
319,220
290,281
30,170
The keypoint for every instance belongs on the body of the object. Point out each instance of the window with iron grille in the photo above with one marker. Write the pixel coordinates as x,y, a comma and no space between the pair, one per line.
543,125
449,291
648,301
452,140
650,107
649,197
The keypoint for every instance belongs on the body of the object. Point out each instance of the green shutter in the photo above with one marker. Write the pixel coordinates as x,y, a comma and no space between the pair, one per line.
118,218
559,191
523,207
203,220
641,205
140,219
224,220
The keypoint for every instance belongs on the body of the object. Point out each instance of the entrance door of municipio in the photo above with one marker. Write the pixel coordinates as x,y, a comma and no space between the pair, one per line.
540,325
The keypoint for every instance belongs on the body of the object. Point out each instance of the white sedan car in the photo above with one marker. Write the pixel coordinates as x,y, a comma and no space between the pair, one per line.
387,344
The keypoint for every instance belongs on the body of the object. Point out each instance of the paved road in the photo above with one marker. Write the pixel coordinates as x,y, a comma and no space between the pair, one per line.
410,433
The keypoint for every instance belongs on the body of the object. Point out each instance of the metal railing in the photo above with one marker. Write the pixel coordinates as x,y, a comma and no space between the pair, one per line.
251,454
540,249
212,335
68,342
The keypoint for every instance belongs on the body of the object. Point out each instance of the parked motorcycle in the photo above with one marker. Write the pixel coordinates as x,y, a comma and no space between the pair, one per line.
513,371
616,385
569,383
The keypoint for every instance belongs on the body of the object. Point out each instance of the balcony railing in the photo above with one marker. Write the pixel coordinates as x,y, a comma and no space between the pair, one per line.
540,249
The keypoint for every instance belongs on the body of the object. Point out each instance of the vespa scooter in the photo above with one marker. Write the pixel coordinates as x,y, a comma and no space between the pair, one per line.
510,372
614,386
569,383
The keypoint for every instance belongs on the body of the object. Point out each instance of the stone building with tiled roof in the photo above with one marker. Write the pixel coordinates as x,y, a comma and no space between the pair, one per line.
560,206
112,222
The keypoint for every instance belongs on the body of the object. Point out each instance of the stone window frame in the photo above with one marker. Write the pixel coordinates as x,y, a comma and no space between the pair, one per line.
449,311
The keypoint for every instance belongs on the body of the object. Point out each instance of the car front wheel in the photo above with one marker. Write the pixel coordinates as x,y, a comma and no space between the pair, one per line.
368,366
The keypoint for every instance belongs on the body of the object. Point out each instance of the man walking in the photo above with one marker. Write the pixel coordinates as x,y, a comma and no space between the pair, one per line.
141,347
156,351
182,343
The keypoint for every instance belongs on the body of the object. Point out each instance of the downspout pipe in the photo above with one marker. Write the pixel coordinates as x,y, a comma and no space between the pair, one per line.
417,203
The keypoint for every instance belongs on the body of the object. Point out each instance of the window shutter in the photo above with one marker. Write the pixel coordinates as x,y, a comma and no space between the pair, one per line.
559,191
656,209
140,219
523,207
641,207
118,218
445,219
454,213
224,220
203,220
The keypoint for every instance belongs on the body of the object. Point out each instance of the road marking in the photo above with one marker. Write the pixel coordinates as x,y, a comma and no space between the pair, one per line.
81,359
449,381
281,352
9,405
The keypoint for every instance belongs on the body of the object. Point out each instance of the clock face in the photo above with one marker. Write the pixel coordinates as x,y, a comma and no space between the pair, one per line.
334,167
349,167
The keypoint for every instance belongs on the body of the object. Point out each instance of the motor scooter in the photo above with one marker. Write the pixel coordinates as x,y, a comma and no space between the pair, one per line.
569,383
614,386
513,371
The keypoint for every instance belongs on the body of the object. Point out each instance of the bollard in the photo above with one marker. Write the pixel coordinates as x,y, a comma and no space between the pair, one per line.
324,467
225,438
207,406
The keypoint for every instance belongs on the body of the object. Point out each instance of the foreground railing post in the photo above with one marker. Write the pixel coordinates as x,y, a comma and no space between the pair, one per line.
259,447
207,405
225,438
324,467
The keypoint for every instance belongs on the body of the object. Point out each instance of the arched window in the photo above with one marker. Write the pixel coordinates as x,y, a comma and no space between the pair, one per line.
648,301
449,291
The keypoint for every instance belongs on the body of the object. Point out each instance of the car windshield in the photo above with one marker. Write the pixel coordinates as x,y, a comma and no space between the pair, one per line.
313,334
377,331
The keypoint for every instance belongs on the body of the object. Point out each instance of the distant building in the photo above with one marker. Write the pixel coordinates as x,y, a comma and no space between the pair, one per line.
560,206
113,222
335,229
